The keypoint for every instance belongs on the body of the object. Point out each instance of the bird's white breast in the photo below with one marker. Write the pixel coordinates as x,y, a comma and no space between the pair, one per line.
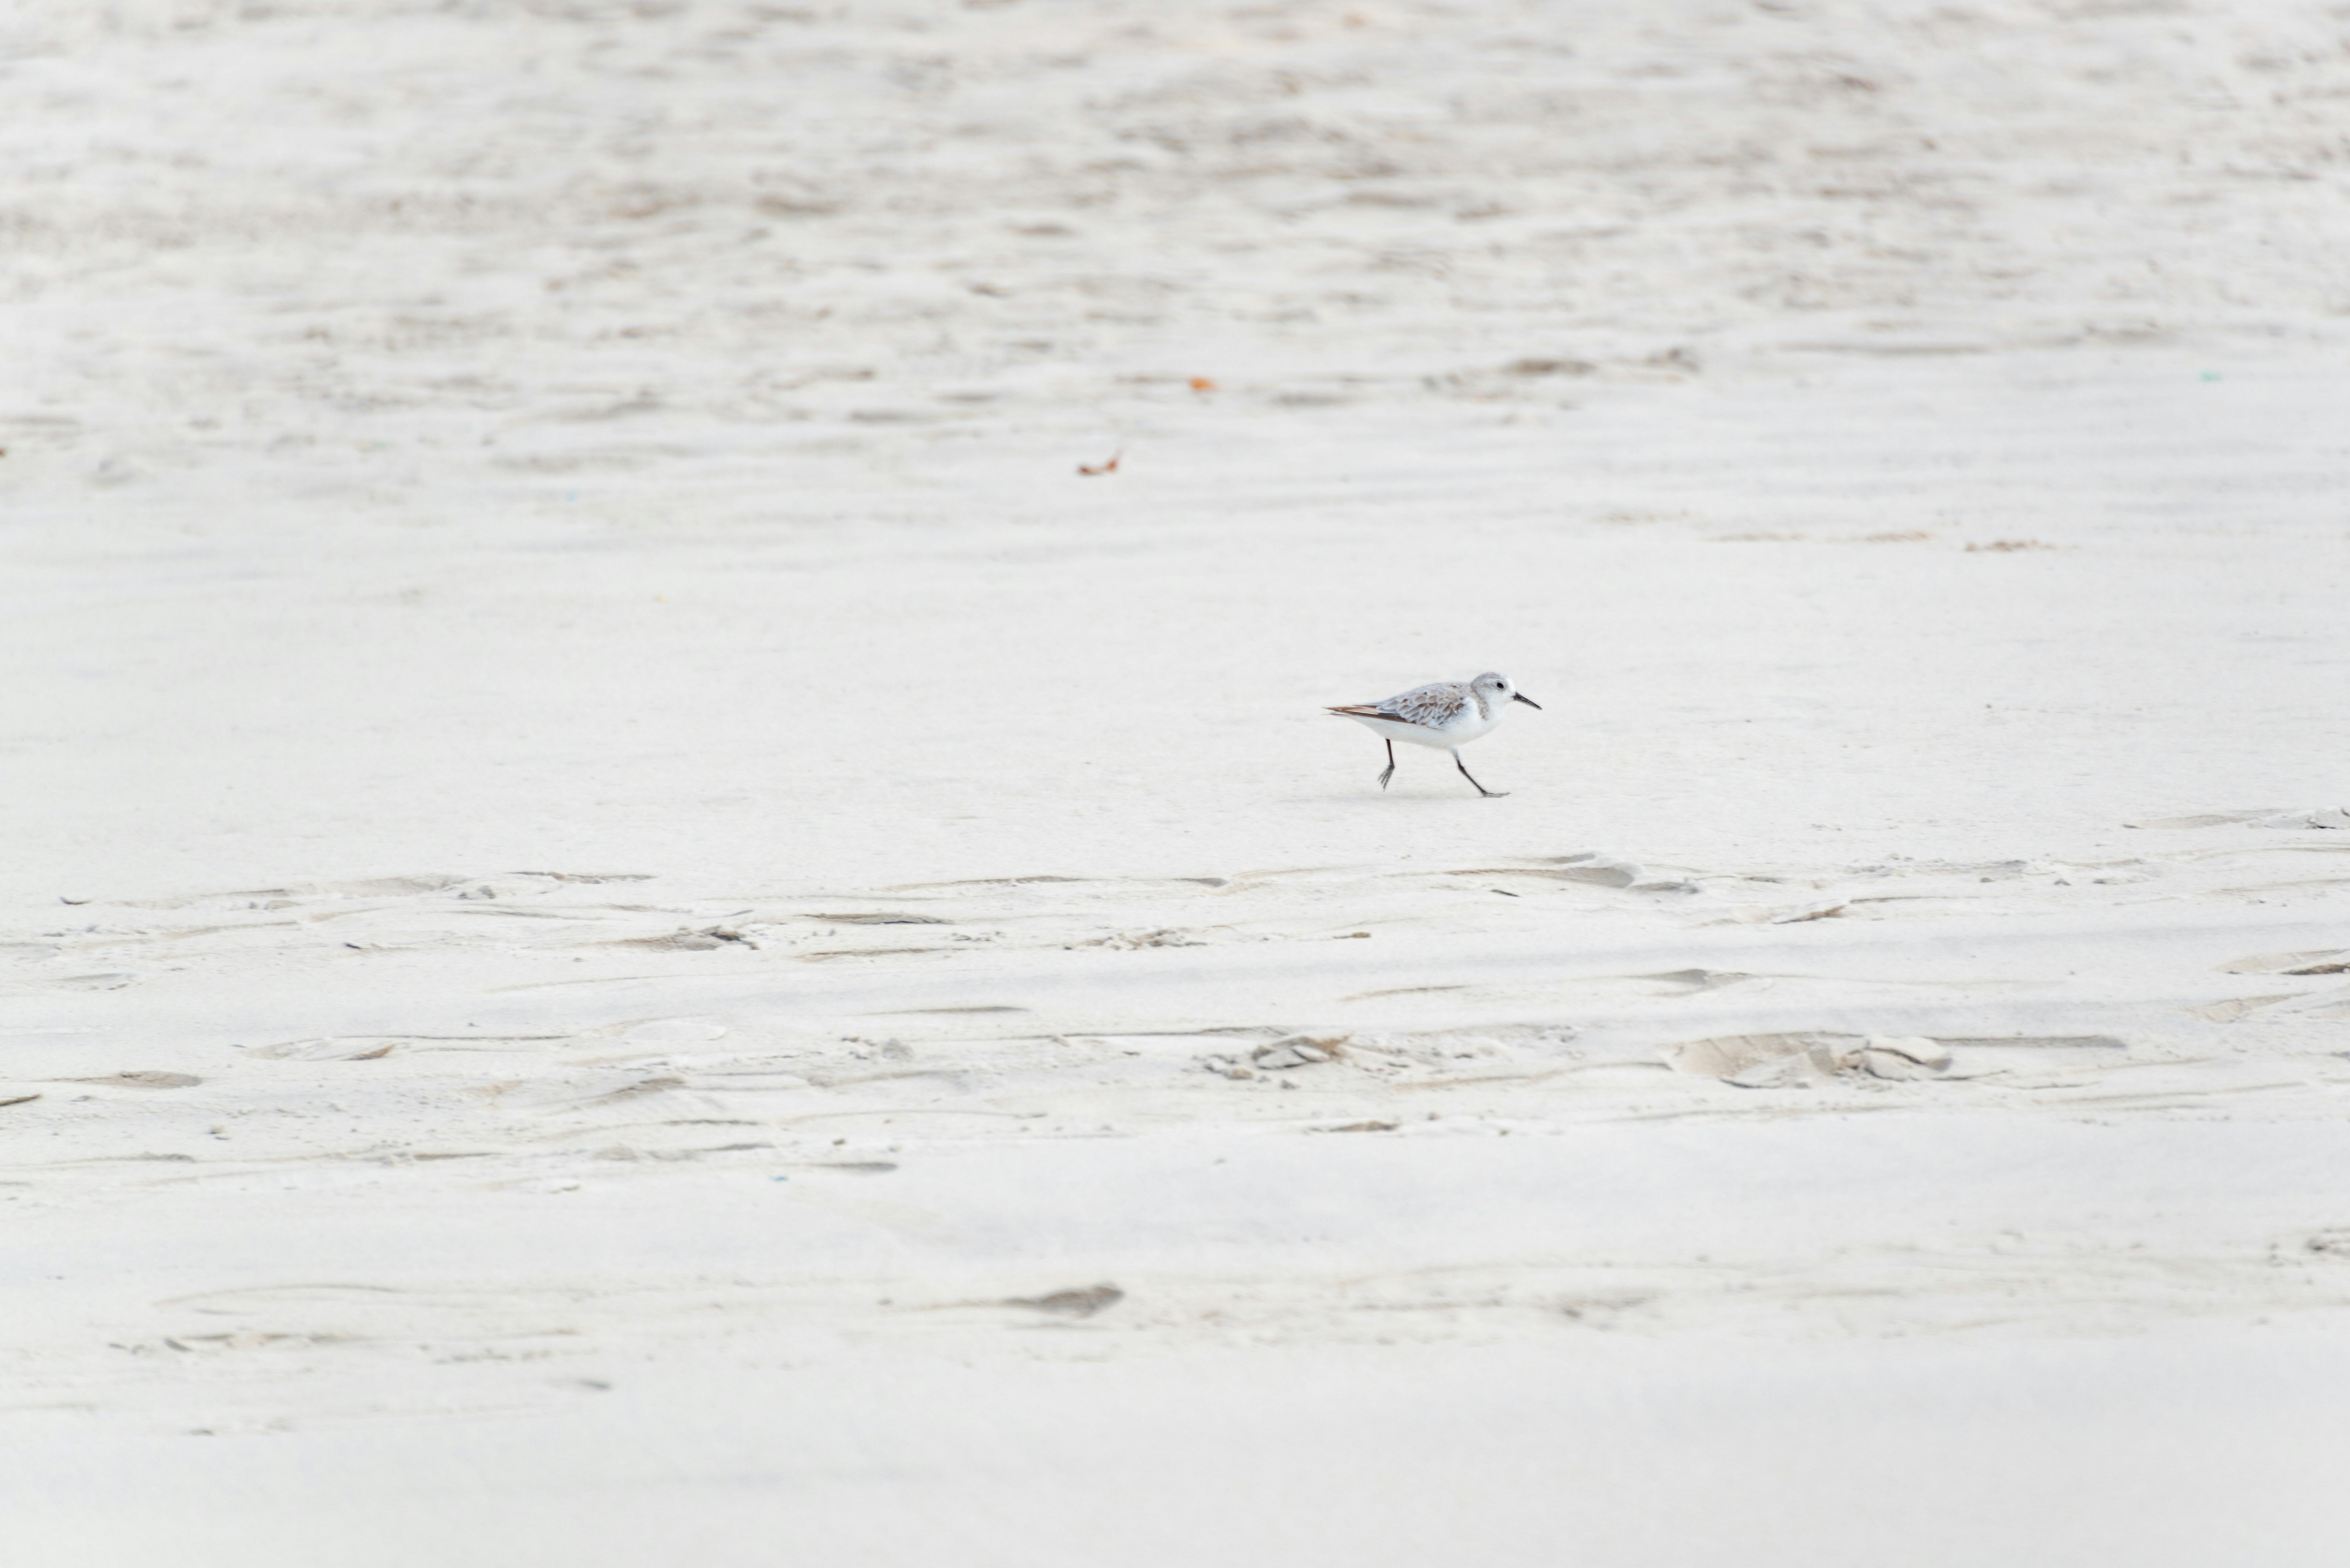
1472,720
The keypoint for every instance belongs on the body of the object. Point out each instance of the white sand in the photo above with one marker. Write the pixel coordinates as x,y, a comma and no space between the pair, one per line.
452,446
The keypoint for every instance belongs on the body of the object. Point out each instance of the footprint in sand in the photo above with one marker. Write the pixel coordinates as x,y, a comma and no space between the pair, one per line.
2324,816
113,981
144,1080
2321,961
1794,1060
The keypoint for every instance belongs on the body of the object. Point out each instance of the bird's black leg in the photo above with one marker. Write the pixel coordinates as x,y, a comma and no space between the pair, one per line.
1390,773
1488,794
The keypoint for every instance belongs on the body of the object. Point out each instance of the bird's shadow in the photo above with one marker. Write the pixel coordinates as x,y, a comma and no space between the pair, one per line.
1388,797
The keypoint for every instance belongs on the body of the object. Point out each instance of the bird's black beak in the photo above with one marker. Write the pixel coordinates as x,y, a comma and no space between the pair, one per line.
1522,697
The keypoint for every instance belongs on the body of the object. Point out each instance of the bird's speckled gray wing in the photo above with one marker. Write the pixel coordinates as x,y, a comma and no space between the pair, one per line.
1433,706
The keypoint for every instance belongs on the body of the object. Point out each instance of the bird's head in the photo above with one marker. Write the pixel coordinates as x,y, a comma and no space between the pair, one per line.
1496,688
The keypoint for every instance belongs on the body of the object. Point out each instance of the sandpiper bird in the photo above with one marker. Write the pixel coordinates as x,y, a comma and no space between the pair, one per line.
1449,714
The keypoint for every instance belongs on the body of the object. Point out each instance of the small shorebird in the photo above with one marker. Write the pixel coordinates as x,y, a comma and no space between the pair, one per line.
1448,715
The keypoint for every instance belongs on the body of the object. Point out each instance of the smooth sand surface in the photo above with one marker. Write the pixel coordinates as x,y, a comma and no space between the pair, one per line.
639,929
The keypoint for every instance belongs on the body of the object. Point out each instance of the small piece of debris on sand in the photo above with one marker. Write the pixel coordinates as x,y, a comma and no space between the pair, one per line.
703,940
1073,1303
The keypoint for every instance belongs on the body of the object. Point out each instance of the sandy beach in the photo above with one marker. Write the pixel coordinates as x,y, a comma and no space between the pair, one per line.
639,927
